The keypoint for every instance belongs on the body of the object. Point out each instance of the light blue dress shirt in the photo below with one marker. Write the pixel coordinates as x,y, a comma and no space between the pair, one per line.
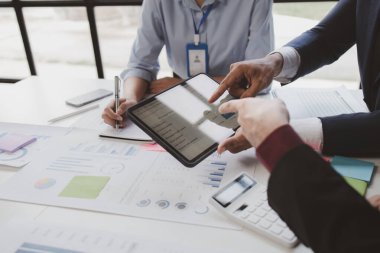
235,30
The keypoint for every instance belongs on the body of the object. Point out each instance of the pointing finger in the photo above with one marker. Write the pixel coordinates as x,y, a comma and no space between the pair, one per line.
231,79
219,92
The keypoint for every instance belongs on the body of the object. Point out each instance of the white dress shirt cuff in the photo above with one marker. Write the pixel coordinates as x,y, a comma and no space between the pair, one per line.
141,73
310,130
292,61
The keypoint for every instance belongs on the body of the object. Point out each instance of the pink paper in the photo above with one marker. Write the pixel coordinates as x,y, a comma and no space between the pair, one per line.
153,147
13,142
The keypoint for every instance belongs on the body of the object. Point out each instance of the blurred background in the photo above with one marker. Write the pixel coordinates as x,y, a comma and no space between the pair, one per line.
60,40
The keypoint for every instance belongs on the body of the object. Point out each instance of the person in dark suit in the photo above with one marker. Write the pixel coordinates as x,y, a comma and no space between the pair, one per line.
350,22
323,211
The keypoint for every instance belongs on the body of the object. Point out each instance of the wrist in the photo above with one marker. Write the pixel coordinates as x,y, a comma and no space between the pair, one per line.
131,101
277,61
277,145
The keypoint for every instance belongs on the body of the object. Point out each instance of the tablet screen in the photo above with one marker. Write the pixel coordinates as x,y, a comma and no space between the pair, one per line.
184,120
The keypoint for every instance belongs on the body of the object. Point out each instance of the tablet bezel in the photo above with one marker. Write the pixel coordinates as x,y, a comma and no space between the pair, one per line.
181,158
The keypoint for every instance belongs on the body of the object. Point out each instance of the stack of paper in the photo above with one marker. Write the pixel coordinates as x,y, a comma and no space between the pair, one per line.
357,173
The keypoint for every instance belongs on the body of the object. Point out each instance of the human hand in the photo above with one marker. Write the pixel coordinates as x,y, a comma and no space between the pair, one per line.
257,117
162,84
110,116
375,201
255,75
235,143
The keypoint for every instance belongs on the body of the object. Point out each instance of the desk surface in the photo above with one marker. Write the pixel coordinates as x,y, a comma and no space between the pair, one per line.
34,100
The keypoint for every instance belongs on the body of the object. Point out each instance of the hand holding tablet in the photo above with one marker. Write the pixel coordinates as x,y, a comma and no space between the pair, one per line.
182,121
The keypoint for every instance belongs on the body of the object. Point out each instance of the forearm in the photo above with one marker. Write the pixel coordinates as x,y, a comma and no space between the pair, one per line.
321,209
352,134
316,203
135,88
327,41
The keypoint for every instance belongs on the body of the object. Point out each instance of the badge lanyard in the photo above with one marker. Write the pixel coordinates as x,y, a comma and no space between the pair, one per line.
197,29
197,52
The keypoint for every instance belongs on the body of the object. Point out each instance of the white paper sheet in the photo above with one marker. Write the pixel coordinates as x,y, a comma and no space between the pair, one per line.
24,155
40,237
122,178
94,121
306,103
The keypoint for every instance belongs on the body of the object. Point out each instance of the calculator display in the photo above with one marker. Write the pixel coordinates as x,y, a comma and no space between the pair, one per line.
233,190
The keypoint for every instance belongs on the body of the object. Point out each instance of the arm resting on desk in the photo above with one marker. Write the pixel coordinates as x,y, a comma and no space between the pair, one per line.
323,211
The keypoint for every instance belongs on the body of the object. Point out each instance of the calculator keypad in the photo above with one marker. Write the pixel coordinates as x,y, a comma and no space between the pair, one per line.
261,216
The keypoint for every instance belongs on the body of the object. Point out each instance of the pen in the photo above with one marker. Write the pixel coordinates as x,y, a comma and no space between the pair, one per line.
117,102
79,111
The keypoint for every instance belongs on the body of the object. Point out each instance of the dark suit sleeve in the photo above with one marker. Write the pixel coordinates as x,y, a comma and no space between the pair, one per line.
352,134
321,209
328,40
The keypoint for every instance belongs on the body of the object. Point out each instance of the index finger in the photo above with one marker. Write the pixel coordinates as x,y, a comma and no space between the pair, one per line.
219,91
230,106
232,78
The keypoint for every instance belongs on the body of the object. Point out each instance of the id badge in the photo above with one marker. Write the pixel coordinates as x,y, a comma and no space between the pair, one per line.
197,58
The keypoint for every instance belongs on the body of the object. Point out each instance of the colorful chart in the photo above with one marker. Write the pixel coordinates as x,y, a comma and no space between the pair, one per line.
44,183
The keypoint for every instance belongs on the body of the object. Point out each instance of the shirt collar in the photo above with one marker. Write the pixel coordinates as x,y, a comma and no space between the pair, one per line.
193,5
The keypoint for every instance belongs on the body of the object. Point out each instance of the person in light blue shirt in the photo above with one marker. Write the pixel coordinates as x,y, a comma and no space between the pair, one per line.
199,36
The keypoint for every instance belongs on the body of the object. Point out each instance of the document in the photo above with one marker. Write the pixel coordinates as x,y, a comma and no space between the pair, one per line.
310,102
113,176
94,121
25,154
39,237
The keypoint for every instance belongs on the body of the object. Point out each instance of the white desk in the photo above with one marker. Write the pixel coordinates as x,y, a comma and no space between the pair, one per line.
33,100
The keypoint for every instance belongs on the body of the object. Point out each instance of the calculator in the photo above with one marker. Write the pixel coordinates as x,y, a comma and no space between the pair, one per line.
245,201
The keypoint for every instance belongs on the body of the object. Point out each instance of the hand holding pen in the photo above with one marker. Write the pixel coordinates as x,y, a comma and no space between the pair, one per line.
115,112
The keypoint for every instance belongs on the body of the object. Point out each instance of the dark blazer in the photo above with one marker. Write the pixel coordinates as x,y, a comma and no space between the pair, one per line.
350,22
322,210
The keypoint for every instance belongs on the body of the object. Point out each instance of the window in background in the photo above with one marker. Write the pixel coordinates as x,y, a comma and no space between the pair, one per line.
291,19
13,63
61,42
117,28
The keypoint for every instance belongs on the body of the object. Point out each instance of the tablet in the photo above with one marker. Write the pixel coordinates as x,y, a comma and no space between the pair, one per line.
182,121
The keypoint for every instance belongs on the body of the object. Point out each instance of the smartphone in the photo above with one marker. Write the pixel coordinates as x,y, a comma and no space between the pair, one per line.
89,97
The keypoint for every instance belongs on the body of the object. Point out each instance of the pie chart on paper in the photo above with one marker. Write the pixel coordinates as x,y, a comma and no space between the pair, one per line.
44,183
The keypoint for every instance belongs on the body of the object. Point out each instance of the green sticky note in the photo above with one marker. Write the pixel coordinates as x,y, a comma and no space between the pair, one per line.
85,187
359,185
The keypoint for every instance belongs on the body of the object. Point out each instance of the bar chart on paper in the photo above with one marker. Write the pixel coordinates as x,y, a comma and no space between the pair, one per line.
123,178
